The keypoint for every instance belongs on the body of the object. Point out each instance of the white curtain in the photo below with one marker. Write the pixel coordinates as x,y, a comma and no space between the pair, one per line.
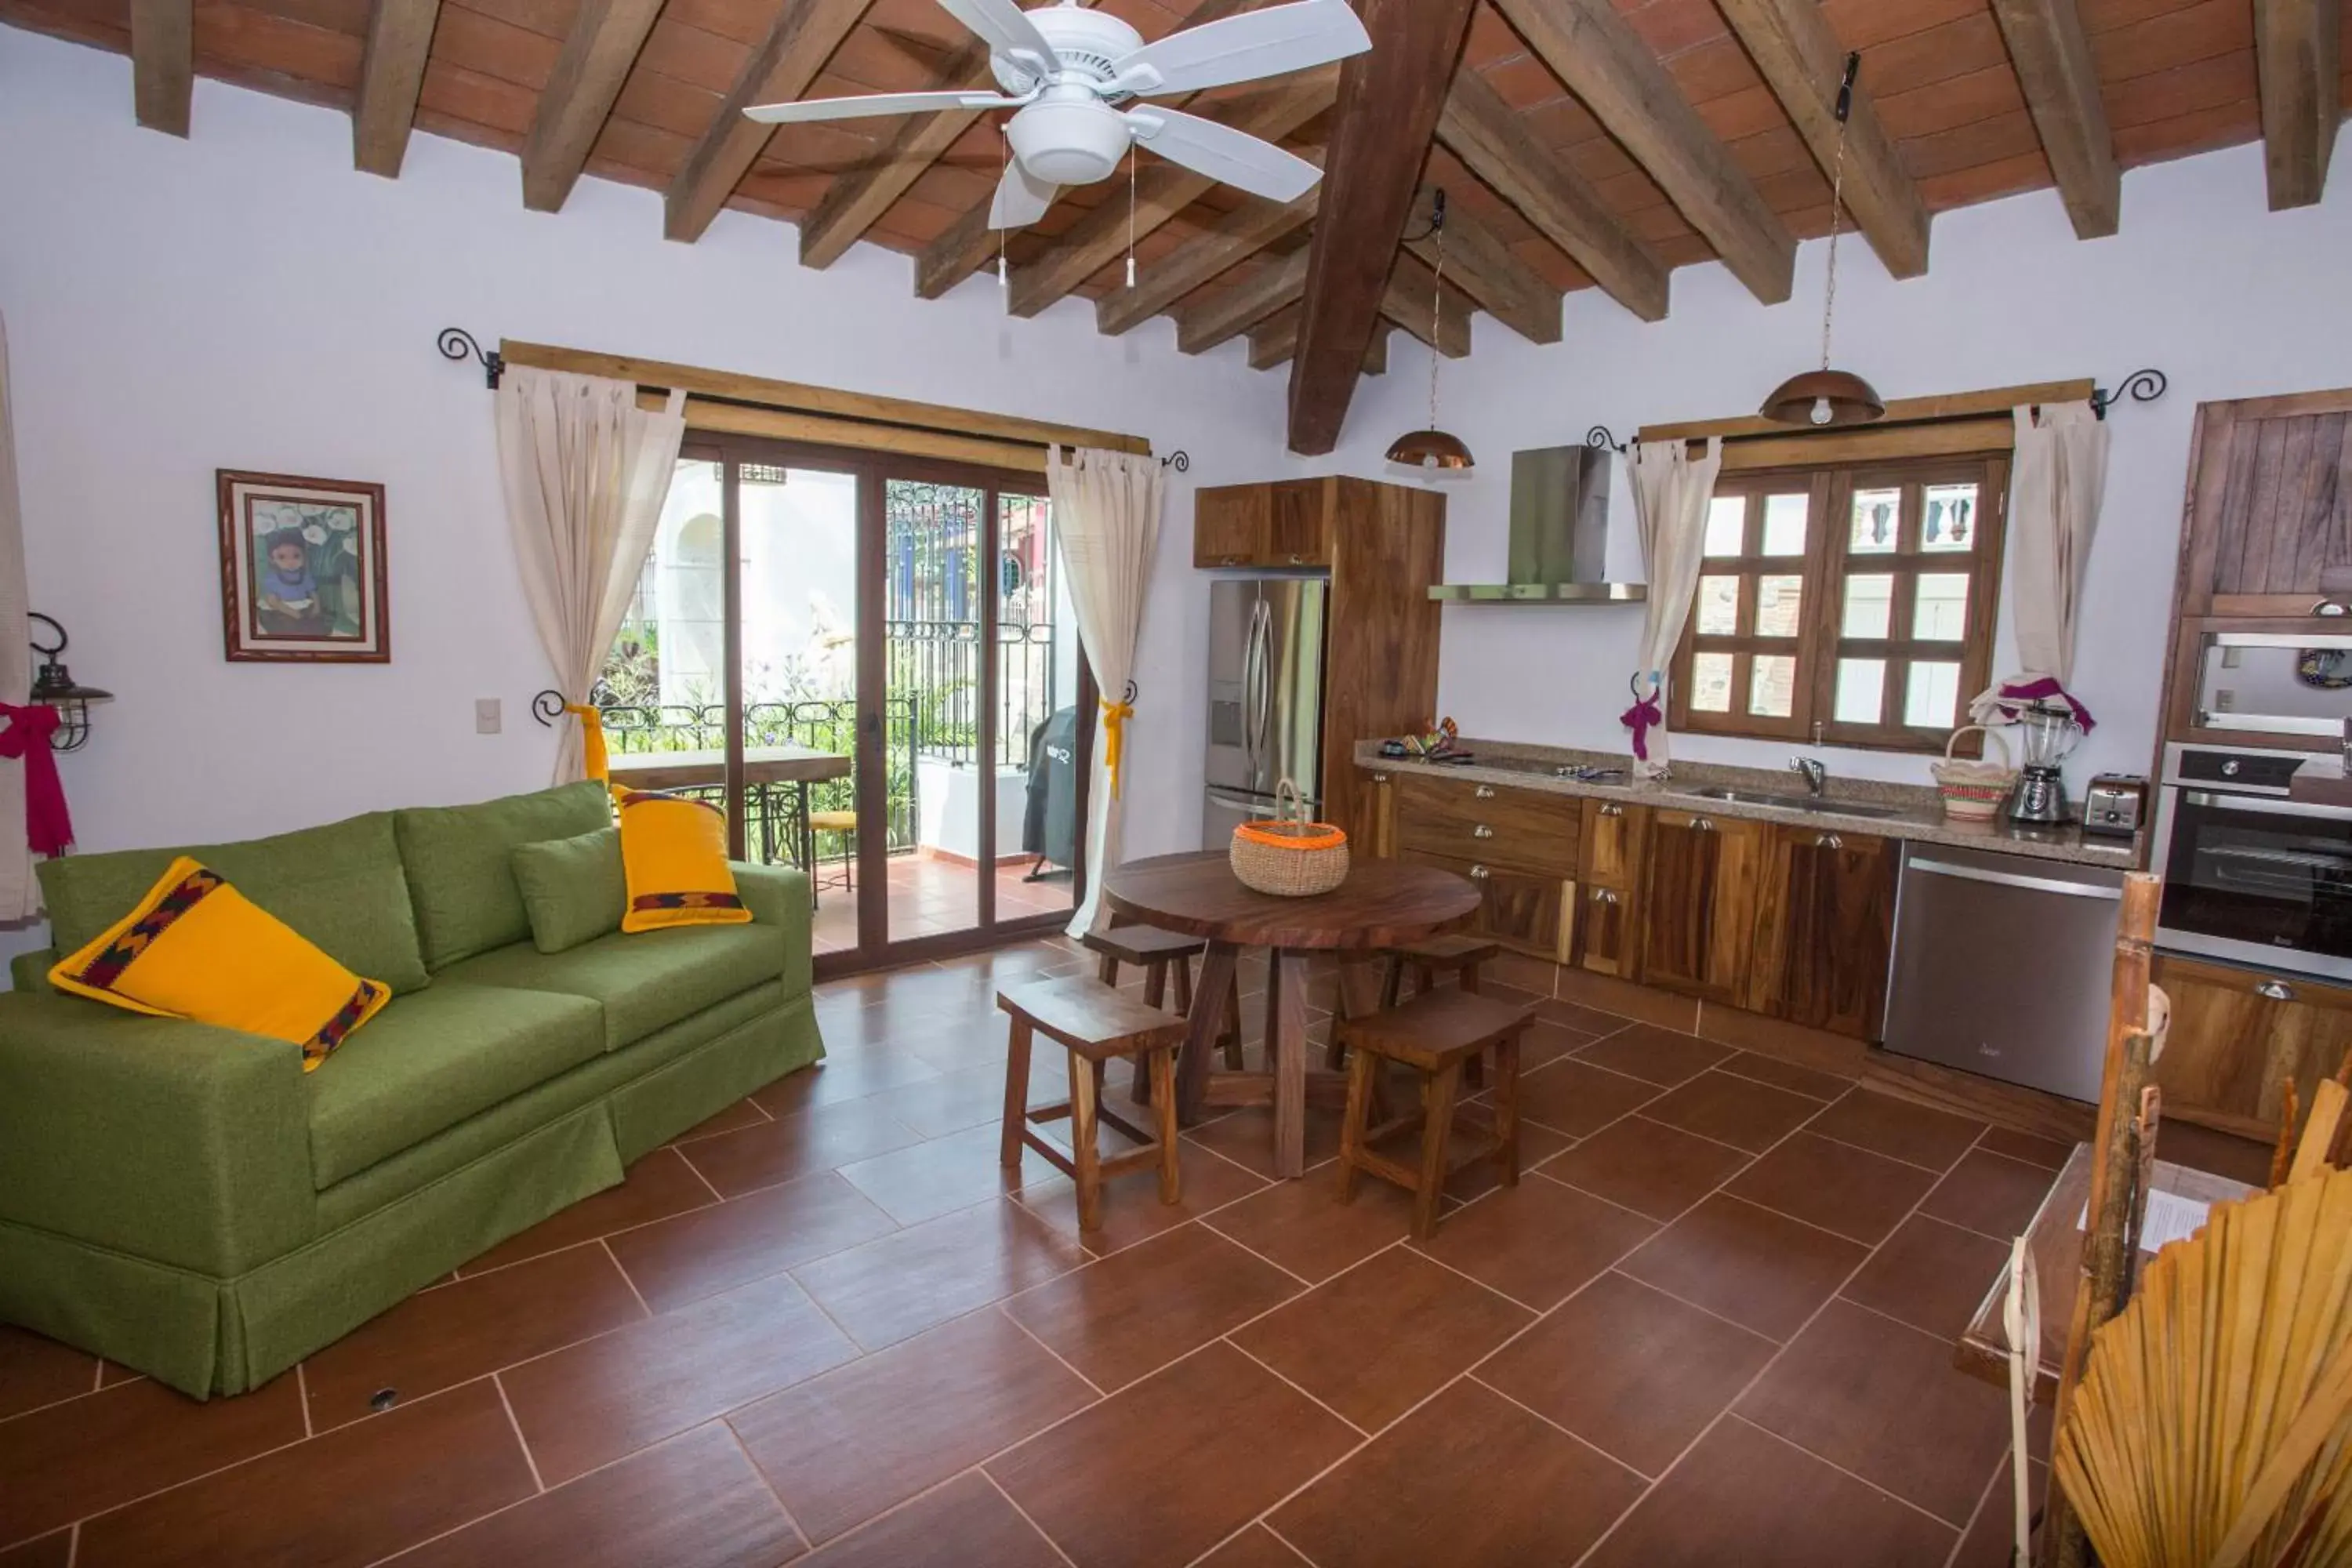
1107,516
585,471
2057,480
20,895
1671,492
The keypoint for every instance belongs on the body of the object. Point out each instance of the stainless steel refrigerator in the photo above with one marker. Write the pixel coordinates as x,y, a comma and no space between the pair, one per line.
1265,697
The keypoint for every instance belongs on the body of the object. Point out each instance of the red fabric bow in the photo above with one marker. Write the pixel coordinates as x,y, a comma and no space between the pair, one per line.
48,827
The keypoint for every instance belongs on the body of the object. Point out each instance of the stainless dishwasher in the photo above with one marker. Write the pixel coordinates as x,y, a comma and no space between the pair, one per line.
2001,965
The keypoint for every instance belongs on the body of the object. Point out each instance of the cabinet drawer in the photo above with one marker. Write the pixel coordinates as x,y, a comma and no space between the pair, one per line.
1525,910
1489,824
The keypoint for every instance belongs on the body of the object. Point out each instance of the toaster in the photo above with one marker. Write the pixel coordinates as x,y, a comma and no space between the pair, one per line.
2116,803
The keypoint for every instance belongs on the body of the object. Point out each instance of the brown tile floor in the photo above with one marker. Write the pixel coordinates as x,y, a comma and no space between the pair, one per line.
1713,1324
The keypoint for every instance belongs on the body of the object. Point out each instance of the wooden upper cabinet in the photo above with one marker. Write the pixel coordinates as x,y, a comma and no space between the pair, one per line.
1286,524
2270,507
1825,920
2240,1036
1697,907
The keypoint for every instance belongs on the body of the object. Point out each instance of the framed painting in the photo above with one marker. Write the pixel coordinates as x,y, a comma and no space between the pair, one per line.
302,570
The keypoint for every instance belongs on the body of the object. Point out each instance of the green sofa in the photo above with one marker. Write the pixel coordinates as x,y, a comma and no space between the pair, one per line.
186,1201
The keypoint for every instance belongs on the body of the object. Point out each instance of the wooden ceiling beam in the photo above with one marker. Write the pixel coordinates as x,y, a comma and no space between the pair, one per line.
1276,342
803,38
2053,56
1802,59
1202,327
1406,303
163,63
1617,76
590,72
1161,191
1495,143
855,202
1238,236
1486,269
2296,62
1388,107
392,73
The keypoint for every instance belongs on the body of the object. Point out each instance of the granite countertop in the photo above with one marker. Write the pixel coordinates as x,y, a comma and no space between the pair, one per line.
1919,814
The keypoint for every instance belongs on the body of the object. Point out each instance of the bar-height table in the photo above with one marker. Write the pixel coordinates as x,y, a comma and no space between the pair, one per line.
1383,904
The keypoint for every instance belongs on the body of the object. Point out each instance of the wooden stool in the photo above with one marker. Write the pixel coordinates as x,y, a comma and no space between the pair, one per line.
1095,1021
843,825
1435,1033
1158,950
1460,955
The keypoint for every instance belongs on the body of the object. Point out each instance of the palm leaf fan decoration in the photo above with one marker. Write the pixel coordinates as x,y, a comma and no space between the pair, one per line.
2211,1429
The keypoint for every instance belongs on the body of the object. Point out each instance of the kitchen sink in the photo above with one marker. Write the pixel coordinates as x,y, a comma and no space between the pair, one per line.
1795,802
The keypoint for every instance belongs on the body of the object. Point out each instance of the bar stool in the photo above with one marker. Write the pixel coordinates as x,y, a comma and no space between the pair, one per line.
1158,952
1435,1034
1094,1023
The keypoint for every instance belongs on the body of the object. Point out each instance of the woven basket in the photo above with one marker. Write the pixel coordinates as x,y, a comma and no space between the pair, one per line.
1291,855
1972,792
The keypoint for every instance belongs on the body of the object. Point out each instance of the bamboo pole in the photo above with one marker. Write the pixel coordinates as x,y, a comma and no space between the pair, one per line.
2113,1172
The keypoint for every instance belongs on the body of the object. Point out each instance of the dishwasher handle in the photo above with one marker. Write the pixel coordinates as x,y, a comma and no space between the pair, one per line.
2013,879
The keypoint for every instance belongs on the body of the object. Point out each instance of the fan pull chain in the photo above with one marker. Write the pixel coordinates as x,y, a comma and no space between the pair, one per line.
1131,214
1003,272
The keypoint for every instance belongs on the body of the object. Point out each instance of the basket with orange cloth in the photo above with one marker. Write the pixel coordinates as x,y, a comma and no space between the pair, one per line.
1290,855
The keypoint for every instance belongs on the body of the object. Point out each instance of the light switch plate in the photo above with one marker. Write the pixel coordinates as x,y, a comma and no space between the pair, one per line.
486,716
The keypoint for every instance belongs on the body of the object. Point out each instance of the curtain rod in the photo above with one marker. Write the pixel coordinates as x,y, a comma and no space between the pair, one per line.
2140,386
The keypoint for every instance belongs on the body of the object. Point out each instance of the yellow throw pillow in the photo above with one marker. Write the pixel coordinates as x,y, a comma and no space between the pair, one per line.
674,852
195,948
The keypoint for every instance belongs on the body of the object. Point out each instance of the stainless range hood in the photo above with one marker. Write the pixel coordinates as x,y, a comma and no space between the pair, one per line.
1559,535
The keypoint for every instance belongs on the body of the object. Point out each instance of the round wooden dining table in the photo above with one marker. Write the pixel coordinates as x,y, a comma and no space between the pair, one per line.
1383,904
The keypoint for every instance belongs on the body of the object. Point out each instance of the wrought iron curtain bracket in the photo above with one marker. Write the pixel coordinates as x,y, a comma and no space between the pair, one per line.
547,706
2141,385
1179,459
1600,437
458,343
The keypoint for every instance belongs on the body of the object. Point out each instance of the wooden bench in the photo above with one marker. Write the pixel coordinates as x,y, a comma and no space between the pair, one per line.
1435,1034
1094,1023
1158,952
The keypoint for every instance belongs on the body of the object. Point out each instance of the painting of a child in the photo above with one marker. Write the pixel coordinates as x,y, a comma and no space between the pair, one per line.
302,566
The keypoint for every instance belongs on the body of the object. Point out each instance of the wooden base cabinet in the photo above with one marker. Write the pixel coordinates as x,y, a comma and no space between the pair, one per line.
1532,912
1608,867
1373,832
1696,912
2240,1036
1825,918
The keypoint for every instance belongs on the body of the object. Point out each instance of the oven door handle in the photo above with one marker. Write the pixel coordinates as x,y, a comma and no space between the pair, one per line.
2223,801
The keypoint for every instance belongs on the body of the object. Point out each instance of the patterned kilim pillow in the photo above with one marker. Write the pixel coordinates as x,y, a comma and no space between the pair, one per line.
674,852
195,948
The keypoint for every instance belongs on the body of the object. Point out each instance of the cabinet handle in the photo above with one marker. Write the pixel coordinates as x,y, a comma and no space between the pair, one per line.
1603,896
1612,811
1296,559
1482,831
1703,824
1478,873
2329,607
1484,791
2276,990
1829,841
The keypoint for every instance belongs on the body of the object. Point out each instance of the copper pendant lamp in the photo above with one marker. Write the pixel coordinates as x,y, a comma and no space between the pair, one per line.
1434,449
1826,397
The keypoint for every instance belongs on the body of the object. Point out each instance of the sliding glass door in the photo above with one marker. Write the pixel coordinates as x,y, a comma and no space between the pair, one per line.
872,665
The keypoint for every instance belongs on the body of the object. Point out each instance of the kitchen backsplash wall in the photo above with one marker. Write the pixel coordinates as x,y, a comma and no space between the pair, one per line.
2230,299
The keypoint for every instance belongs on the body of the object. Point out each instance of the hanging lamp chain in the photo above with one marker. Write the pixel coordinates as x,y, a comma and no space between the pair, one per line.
1436,296
1837,200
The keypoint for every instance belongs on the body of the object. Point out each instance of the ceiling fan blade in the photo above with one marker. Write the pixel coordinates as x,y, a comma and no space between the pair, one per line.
1231,157
1005,28
1278,39
875,103
1021,199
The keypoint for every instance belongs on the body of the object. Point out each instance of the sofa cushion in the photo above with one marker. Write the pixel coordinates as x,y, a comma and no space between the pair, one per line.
459,867
645,981
341,886
429,1061
573,887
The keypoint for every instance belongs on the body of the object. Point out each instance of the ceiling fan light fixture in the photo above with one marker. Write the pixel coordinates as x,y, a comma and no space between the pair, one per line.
1431,450
1817,398
1069,137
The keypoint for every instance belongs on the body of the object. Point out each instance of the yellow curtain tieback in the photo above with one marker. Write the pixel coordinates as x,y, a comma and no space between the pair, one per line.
1115,717
591,741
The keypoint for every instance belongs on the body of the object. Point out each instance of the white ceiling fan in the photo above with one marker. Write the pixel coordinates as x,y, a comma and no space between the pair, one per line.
1064,68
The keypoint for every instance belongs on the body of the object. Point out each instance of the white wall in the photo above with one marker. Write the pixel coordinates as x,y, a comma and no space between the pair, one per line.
245,299
2228,299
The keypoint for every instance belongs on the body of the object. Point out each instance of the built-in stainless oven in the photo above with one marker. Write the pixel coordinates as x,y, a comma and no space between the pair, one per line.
2249,874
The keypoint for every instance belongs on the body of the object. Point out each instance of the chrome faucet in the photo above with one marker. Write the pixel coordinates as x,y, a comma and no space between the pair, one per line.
1816,771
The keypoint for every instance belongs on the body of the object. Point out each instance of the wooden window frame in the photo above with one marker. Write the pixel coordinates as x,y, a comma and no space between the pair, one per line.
1824,569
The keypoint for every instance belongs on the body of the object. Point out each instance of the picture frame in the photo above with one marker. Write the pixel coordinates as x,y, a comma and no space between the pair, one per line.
303,577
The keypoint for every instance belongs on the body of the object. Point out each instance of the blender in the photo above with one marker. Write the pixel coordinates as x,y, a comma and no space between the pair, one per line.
2047,731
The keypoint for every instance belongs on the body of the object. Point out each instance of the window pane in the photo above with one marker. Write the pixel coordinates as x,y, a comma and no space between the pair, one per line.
1719,606
1941,608
1934,695
1772,688
1949,518
1861,689
1727,525
1877,519
1776,606
1711,683
1784,524
1869,605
